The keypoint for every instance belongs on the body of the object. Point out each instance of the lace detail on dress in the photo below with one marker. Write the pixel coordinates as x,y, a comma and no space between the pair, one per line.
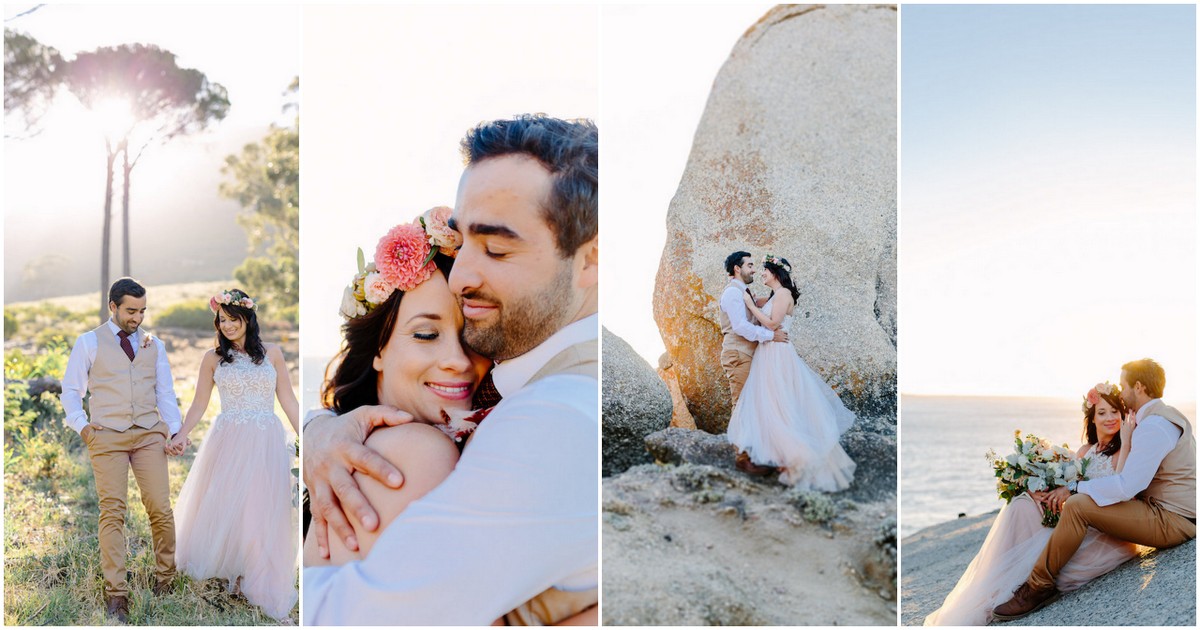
247,392
1100,465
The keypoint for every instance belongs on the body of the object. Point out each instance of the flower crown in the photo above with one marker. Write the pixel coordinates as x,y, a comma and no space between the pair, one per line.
403,260
777,261
232,297
1093,395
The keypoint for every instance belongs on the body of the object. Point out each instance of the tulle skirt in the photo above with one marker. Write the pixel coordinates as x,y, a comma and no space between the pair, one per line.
1007,558
234,516
787,416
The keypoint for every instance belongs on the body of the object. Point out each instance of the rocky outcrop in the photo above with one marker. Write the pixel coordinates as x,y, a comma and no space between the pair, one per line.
1156,589
795,155
636,403
680,416
872,446
693,545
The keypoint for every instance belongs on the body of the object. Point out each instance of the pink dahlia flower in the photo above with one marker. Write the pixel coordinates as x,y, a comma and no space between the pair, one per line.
401,255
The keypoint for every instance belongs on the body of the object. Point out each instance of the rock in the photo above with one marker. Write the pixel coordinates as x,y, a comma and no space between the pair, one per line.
636,403
680,416
674,445
1156,589
795,155
875,457
674,556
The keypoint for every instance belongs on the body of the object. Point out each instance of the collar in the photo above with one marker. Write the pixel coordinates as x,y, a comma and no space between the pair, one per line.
511,375
116,330
1143,411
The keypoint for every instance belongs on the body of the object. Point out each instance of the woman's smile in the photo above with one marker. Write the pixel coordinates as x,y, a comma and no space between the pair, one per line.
451,391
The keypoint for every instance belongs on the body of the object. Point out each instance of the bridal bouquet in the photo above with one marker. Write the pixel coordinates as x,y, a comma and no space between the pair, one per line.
1035,465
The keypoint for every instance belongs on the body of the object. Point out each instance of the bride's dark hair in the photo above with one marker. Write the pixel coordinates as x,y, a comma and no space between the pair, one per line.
783,275
252,344
354,380
1089,422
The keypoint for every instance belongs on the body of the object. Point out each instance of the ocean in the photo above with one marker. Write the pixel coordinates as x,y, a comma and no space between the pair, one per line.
943,440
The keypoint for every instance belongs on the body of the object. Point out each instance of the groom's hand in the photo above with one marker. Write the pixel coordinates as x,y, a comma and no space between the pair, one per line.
333,452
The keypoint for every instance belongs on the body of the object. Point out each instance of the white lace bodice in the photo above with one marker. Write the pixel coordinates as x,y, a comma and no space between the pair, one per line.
247,392
1100,465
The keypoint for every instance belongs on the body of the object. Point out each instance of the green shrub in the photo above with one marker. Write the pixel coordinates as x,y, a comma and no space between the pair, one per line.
10,324
290,315
192,314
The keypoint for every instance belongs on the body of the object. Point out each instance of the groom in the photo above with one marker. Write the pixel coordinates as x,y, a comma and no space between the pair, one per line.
1151,502
519,512
740,336
134,413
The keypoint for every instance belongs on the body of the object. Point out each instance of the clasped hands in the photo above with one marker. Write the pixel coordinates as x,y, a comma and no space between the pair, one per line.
1052,500
333,451
177,444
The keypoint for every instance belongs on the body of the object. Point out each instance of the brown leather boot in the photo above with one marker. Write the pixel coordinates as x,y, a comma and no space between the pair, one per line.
1026,600
750,468
118,608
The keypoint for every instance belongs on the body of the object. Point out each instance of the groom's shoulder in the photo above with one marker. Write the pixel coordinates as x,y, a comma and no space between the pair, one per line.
560,396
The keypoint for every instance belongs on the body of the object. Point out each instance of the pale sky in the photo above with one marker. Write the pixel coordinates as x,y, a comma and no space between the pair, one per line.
389,91
1048,197
57,177
656,78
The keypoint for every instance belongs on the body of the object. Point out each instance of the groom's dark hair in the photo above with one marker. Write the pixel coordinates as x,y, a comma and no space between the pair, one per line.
734,260
569,149
1149,373
123,287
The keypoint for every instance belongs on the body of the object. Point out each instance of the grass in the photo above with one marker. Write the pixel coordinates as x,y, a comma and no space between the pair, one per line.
51,556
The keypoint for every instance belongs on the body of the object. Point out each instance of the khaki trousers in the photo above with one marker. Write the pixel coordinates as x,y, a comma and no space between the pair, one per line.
1137,521
113,453
737,368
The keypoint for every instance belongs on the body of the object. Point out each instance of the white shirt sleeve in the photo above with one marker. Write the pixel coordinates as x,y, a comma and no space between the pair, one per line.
516,516
313,414
731,303
75,380
1153,438
164,390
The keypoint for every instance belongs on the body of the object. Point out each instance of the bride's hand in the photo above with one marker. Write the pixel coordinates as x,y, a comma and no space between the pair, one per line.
1054,499
333,451
748,299
1127,427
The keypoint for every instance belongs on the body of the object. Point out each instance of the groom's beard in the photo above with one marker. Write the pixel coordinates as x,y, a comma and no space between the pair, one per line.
523,323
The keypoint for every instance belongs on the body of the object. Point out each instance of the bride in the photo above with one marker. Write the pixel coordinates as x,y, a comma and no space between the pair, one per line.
1017,536
787,416
234,514
402,348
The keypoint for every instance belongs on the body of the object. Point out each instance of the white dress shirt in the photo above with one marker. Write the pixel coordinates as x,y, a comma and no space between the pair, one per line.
75,379
518,514
735,308
1152,440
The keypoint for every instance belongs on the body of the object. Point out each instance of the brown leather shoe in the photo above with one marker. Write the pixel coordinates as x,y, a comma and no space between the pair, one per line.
165,587
1026,600
118,608
750,468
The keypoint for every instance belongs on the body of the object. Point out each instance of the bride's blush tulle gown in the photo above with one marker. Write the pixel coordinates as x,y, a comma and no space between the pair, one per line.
1013,546
787,416
234,515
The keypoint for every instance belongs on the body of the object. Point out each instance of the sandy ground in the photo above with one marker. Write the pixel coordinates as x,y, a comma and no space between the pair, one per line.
735,554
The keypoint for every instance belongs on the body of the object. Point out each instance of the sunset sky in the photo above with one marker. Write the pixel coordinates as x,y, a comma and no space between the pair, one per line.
1048,197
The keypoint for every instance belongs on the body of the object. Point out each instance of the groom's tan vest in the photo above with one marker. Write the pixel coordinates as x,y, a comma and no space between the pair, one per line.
1174,485
731,340
581,358
122,390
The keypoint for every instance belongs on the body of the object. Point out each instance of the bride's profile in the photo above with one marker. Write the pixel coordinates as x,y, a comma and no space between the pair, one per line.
402,349
234,516
1017,536
787,416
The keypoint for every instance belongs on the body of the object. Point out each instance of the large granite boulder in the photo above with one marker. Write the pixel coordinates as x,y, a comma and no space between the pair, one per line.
795,155
636,404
